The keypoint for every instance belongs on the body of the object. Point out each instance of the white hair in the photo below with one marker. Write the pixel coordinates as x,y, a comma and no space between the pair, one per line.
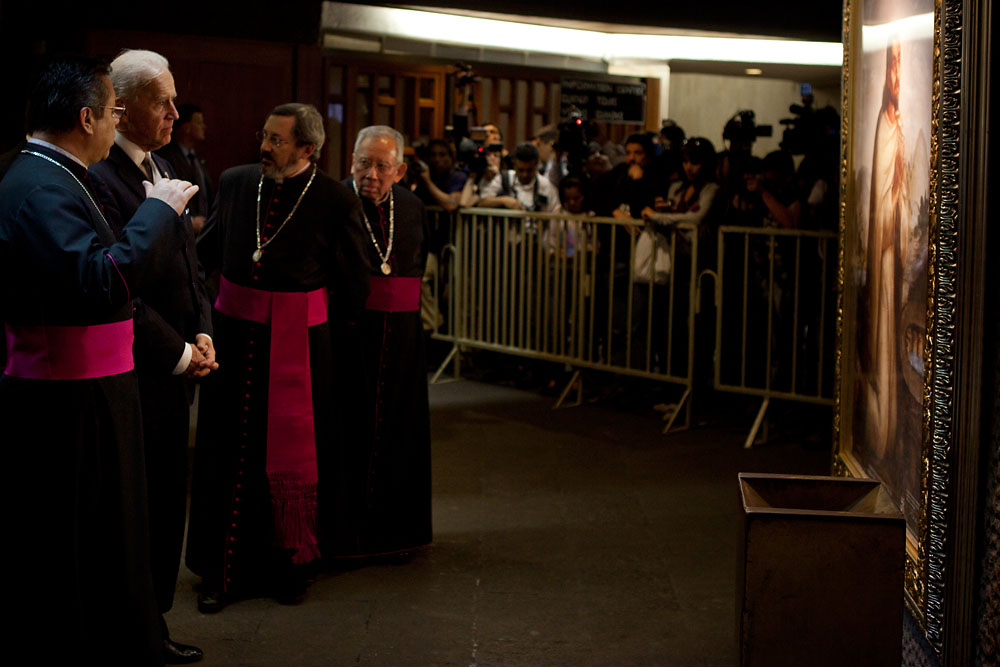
377,131
133,69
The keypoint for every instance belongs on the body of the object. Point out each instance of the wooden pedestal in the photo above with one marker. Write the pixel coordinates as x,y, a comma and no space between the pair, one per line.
820,572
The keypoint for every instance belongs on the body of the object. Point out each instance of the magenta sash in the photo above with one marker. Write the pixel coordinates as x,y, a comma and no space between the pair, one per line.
394,294
45,352
291,434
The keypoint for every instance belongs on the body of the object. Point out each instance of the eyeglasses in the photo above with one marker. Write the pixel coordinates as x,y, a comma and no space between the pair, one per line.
366,163
116,112
271,138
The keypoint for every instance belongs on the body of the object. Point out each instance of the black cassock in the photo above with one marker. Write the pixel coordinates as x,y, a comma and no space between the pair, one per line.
230,535
382,473
77,548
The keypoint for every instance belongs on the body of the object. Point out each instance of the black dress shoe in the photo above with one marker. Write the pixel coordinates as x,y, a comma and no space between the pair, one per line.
210,602
180,654
291,592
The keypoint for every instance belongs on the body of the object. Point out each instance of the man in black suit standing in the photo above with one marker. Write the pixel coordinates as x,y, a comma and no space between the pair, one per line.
189,131
173,322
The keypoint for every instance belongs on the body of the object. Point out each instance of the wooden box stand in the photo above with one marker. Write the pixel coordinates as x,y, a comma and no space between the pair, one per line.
820,572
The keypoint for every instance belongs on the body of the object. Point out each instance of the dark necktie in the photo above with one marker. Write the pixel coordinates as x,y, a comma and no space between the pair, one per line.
147,166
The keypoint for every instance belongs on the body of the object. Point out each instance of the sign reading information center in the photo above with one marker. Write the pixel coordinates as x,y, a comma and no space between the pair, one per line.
603,101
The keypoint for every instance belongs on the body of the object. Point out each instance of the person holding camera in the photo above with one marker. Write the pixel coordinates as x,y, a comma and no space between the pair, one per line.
521,188
551,163
438,182
689,200
769,197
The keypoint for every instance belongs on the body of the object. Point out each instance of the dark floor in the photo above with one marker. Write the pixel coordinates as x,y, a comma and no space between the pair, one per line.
578,536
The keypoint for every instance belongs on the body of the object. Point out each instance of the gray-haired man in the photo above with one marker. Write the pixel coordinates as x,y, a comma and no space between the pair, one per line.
173,318
291,247
380,501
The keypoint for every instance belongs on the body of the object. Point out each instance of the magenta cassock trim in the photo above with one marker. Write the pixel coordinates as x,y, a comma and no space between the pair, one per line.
46,352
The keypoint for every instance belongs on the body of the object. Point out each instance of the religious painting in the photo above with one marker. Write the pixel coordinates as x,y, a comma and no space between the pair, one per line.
890,171
887,186
911,190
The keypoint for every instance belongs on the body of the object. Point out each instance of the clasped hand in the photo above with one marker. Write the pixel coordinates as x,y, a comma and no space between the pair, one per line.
202,357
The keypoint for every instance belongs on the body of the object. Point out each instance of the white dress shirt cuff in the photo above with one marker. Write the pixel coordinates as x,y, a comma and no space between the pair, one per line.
185,361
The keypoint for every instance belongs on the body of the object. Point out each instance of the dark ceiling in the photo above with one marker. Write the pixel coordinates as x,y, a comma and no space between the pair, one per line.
59,21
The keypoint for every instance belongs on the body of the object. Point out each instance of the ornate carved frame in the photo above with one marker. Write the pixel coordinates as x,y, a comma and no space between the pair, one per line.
939,551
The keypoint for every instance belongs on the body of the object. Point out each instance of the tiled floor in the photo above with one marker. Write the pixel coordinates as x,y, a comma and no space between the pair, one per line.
572,537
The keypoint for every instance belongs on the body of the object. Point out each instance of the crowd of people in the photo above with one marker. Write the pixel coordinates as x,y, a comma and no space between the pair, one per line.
652,183
652,177
313,437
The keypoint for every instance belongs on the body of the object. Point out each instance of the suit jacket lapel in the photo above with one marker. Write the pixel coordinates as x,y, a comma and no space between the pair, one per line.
166,169
129,173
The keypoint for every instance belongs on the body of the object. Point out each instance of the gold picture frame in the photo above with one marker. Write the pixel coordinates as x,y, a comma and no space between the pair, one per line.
904,340
887,210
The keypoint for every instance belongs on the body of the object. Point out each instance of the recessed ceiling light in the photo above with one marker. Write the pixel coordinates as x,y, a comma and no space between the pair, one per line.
754,71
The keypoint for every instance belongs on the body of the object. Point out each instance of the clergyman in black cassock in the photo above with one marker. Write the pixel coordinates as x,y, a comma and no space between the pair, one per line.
69,403
381,476
288,236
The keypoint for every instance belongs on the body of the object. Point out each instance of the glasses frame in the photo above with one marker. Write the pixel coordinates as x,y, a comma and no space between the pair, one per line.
275,141
116,112
382,168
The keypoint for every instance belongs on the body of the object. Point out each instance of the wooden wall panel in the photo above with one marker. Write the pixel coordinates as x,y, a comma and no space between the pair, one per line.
235,82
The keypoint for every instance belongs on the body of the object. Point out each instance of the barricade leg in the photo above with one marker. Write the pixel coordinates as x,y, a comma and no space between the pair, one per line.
757,422
682,404
455,355
574,382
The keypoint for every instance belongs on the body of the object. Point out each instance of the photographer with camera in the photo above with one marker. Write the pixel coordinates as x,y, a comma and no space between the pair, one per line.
550,158
769,197
438,182
741,131
521,188
690,200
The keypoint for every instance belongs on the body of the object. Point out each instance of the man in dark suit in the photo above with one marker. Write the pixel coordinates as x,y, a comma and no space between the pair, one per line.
189,131
172,320
69,405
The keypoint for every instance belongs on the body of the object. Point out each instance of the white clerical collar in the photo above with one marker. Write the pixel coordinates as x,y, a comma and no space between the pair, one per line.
300,171
136,154
61,151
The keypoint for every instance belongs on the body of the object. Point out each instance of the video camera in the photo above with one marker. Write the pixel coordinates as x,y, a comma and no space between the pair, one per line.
809,129
473,149
574,139
741,130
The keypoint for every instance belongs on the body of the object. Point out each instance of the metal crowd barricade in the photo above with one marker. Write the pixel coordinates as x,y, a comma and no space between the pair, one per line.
775,316
560,288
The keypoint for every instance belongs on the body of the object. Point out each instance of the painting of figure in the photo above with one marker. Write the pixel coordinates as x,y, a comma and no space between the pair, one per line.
891,149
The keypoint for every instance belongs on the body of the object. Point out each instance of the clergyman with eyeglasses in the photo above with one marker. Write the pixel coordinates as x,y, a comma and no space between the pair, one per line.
382,488
291,244
69,399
